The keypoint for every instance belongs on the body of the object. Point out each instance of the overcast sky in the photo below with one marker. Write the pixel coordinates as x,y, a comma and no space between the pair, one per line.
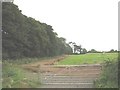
91,23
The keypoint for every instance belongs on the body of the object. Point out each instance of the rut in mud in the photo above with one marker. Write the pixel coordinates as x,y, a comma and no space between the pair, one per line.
70,77
62,76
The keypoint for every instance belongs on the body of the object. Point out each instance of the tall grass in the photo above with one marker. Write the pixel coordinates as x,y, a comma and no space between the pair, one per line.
16,77
21,61
109,76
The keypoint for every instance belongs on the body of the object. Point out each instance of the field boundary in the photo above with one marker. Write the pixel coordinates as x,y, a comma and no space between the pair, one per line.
82,65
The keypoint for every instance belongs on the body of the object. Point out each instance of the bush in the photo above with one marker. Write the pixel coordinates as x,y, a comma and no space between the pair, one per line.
109,76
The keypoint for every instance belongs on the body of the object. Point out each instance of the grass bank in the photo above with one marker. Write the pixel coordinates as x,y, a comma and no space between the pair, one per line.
16,77
109,76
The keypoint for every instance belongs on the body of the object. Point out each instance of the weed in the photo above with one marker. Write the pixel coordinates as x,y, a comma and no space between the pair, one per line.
109,76
15,77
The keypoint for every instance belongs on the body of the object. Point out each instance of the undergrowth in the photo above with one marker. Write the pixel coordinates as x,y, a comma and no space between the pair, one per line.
109,76
16,77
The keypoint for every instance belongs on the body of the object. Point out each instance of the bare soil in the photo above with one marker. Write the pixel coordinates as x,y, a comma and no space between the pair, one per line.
53,76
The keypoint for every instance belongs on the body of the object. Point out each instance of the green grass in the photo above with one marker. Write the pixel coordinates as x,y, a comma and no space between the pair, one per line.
16,77
109,76
90,58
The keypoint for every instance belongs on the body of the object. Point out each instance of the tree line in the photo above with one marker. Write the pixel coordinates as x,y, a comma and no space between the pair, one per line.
24,36
78,49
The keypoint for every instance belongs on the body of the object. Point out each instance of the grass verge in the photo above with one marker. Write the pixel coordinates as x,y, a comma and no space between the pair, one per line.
109,76
16,77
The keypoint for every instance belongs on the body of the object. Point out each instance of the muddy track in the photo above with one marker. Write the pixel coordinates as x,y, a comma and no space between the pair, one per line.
74,76
71,77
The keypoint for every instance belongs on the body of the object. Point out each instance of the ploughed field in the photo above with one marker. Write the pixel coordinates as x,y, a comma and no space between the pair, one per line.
70,76
74,71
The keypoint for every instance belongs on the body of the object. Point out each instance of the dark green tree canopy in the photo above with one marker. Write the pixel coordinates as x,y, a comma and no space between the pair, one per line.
23,36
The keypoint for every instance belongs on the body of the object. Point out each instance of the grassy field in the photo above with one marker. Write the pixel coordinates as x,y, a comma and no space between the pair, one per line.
90,58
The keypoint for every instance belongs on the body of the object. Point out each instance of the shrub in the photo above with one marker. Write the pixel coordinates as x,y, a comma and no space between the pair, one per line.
109,76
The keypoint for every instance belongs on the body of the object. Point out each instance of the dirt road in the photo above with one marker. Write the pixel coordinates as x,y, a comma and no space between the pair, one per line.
70,77
74,76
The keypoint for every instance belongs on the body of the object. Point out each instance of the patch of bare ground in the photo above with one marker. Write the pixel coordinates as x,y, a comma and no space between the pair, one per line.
44,64
53,76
